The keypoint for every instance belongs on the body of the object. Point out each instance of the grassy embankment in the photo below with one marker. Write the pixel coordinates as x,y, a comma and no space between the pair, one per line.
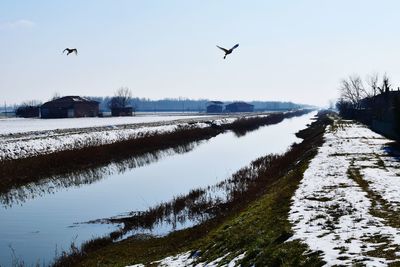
18,172
254,220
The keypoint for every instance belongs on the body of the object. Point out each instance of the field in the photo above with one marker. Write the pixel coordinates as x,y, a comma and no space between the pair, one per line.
20,125
21,138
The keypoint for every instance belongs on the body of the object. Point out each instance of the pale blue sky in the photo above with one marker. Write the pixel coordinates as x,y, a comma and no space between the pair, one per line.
289,50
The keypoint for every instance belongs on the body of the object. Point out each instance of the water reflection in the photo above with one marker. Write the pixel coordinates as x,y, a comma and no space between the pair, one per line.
77,178
88,175
202,204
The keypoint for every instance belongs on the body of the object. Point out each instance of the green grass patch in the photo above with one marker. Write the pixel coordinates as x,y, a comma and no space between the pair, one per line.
261,231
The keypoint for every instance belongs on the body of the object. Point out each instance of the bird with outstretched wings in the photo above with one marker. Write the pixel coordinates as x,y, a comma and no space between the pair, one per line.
71,50
228,51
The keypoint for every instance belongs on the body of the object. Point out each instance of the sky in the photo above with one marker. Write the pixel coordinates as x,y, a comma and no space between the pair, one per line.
290,50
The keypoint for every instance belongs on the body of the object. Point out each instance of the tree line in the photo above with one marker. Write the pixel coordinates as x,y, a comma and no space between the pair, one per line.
356,93
373,102
123,97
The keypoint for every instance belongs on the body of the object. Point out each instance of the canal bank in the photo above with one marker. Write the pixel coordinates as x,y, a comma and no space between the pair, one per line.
253,229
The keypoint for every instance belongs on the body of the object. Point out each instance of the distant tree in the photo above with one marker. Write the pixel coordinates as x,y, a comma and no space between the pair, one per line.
352,90
386,84
344,107
56,95
372,81
28,109
354,96
31,103
122,98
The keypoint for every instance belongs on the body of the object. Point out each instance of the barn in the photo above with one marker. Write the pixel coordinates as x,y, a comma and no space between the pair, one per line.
239,107
69,107
215,107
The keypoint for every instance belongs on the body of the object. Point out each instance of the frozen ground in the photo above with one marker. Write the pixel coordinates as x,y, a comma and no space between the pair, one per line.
347,205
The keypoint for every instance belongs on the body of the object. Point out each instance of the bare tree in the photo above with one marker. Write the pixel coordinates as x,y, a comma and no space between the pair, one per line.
386,84
122,98
31,103
352,90
372,81
56,95
28,109
355,96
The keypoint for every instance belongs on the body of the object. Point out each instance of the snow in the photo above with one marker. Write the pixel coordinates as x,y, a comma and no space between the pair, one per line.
36,143
188,259
331,211
21,138
18,125
31,146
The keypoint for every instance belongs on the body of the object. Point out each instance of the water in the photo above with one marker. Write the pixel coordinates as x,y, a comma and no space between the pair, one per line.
38,218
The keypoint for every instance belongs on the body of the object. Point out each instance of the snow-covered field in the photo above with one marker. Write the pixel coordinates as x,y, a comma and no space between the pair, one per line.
21,138
347,205
27,144
18,125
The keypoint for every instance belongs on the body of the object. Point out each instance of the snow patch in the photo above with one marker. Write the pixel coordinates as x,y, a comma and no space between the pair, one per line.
330,211
187,259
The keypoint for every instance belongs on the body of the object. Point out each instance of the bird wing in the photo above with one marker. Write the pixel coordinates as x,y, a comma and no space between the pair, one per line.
225,50
75,50
235,46
66,49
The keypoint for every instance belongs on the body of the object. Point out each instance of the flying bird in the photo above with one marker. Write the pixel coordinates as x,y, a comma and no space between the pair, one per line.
71,50
228,51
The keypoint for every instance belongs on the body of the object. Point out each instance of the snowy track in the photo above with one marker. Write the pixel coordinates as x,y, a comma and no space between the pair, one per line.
347,205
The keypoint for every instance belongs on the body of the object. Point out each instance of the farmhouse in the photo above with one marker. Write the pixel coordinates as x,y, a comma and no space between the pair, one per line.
239,107
215,107
69,107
